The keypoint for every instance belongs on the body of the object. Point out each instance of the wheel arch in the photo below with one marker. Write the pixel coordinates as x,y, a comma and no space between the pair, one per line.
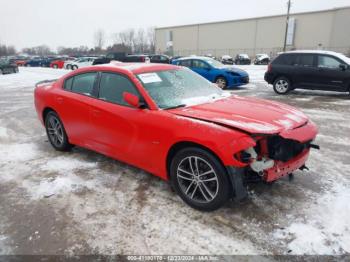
285,76
185,144
46,111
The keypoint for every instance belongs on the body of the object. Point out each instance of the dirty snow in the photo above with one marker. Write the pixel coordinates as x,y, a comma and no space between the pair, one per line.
81,202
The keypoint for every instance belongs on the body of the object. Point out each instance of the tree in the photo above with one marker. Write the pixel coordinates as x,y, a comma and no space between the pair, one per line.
151,37
100,39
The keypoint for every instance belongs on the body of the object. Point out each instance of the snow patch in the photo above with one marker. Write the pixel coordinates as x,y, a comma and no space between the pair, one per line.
327,229
18,152
65,164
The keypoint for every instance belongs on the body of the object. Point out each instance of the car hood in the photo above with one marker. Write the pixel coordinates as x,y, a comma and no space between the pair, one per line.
236,70
255,116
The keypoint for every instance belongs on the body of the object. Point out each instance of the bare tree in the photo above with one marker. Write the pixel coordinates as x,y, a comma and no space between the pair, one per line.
151,37
140,42
127,38
100,39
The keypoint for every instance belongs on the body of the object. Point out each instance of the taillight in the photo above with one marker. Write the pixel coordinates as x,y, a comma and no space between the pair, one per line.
269,68
142,59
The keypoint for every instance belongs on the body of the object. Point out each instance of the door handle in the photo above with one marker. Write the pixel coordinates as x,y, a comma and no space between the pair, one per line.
59,100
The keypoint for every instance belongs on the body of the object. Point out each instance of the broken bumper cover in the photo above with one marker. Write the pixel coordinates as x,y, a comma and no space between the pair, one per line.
281,169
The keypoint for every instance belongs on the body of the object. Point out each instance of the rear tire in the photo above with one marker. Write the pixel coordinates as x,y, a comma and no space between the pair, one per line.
282,85
69,67
56,133
74,67
199,178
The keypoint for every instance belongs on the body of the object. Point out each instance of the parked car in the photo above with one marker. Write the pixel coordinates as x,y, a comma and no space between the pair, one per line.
214,71
173,123
227,60
21,62
122,57
174,58
311,69
261,59
68,63
82,62
38,62
59,63
6,67
242,59
163,59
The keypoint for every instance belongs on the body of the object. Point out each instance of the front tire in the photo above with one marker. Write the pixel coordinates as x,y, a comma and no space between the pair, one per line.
74,67
56,133
221,82
282,85
199,179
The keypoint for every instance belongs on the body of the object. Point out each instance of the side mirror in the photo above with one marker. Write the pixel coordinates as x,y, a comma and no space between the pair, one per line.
131,99
343,67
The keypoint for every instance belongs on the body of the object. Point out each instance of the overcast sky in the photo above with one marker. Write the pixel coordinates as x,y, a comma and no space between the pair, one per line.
27,23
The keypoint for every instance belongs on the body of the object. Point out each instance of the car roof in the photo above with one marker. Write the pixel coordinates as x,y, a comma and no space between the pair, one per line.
323,52
194,57
138,68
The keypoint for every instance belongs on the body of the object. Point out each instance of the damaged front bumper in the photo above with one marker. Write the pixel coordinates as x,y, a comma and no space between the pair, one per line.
273,157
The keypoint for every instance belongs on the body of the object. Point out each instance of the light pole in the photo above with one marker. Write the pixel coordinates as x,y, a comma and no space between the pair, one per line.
287,23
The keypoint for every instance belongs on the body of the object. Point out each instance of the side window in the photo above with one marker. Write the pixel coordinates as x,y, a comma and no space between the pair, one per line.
284,59
112,87
68,83
328,62
305,60
186,63
84,83
110,56
199,64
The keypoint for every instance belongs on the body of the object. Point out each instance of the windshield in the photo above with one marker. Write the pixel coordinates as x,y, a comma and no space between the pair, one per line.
179,87
214,63
345,58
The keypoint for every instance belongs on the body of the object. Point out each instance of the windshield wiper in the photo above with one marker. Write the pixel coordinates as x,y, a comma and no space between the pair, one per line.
173,107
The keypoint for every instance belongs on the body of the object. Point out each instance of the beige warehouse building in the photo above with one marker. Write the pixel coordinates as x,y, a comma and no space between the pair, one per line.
327,29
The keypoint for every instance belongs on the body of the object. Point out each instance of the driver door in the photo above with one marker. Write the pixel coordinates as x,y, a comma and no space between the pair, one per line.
120,129
201,68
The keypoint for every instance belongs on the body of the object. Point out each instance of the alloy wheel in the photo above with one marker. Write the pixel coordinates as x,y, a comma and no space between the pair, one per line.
197,179
220,82
282,86
55,131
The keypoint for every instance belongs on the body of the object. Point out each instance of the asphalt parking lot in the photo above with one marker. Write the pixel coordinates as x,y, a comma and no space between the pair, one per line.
81,202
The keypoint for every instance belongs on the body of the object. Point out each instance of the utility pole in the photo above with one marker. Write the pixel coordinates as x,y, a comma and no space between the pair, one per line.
287,23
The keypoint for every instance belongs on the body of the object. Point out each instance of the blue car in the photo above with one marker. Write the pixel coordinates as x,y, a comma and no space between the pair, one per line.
39,61
214,71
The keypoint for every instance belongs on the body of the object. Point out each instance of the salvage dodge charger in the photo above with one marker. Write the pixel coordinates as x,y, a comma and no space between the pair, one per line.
176,125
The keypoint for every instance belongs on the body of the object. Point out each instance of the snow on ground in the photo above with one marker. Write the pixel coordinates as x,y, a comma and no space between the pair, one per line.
81,202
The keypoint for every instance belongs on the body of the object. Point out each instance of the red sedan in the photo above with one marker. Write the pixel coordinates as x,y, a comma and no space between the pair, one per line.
175,124
60,62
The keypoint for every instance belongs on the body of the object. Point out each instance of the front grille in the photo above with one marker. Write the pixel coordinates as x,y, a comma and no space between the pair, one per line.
281,149
245,79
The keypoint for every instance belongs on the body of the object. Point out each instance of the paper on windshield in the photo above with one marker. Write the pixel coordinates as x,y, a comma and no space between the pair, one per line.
149,78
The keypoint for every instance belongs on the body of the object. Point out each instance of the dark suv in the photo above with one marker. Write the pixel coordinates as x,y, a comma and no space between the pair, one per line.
318,70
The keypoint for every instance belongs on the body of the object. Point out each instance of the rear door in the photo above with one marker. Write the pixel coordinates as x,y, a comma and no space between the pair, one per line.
305,72
331,76
73,106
